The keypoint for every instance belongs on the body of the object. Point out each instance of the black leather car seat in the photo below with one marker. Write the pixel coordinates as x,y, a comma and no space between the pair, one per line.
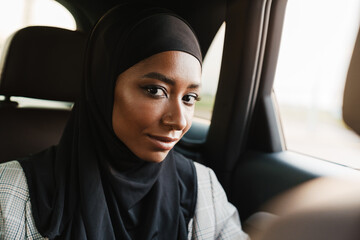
42,63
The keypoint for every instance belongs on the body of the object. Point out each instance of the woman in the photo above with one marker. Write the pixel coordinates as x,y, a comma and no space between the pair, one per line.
114,174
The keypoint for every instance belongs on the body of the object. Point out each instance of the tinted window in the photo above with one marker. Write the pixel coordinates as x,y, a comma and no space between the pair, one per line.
317,45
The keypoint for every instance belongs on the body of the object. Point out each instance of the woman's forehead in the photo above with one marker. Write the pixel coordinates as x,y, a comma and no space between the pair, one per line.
171,66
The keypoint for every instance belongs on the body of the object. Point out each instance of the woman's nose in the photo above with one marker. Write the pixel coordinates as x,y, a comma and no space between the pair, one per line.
175,116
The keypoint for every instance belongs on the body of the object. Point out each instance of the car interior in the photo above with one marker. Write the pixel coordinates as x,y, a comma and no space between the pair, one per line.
243,142
41,63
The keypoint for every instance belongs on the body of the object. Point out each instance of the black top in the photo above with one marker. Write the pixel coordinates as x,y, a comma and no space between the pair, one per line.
91,186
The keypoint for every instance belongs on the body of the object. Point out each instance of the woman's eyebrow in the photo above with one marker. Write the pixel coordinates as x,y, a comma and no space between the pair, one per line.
161,77
165,79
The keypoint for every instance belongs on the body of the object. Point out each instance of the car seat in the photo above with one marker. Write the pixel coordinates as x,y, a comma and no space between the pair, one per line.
42,63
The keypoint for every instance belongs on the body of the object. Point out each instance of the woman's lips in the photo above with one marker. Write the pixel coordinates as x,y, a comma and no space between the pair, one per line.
163,143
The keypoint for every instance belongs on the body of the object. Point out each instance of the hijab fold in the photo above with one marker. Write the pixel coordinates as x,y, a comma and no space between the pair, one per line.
91,186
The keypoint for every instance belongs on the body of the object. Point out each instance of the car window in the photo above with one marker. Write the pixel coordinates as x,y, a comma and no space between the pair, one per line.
210,76
316,48
17,14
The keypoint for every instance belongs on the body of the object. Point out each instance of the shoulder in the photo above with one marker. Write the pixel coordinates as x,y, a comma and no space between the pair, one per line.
14,193
208,183
186,167
13,182
16,221
215,217
210,191
203,172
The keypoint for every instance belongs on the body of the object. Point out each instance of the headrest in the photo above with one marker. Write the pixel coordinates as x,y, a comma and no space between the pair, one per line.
44,63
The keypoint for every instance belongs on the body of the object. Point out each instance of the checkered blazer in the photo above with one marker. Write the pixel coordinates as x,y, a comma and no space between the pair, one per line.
215,217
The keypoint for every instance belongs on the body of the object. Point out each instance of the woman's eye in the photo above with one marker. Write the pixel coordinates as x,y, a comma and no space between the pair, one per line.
190,99
156,91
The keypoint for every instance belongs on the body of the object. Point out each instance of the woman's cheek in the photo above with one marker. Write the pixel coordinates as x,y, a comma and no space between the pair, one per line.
148,112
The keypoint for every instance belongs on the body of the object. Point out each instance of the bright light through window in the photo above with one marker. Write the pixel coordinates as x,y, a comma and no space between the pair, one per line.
210,75
17,14
317,44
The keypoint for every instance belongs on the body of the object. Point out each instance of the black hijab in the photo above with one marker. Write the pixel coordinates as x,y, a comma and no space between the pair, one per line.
91,186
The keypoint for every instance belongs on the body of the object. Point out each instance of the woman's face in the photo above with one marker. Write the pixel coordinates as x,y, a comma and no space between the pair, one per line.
154,103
